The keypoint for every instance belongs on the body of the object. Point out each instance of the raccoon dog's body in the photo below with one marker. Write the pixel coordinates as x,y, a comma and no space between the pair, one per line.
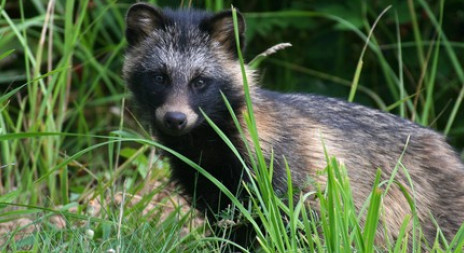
180,61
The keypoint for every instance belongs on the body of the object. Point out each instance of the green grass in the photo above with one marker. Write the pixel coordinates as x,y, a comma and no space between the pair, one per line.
68,141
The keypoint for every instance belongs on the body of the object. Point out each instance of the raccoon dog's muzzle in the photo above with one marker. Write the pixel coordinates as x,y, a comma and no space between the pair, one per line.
175,118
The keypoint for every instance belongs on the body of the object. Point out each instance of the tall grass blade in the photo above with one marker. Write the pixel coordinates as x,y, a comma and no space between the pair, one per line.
357,74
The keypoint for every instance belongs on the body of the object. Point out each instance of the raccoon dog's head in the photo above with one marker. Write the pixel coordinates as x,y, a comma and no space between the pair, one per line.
180,61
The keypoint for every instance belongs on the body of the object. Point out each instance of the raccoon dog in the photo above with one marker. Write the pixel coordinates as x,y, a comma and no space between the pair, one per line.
179,61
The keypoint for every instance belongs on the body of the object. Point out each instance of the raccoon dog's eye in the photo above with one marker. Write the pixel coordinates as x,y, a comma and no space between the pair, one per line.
199,83
160,79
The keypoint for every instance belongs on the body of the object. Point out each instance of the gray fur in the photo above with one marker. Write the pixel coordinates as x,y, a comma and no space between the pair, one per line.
364,140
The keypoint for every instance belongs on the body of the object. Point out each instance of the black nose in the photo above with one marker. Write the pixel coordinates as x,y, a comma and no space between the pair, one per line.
175,120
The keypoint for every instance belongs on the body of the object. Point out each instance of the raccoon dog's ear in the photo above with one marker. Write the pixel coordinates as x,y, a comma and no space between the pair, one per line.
221,29
141,20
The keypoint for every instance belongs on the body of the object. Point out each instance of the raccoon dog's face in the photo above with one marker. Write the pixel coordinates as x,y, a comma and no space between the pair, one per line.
180,61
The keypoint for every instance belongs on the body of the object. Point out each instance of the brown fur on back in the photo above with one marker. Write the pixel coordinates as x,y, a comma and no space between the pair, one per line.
364,140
